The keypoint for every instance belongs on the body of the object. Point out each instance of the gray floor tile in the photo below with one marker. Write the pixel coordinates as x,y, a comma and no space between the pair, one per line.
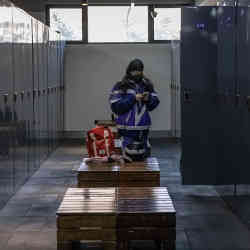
200,207
4,237
10,224
43,210
222,240
32,224
13,210
219,222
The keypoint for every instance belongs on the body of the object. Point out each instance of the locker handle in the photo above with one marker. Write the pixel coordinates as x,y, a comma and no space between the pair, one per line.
187,96
248,102
15,97
22,95
34,93
237,100
6,98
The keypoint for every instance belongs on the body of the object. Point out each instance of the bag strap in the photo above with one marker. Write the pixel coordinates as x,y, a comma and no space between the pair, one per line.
92,136
106,136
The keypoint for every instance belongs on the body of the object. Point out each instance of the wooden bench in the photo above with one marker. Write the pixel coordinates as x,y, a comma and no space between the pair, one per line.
116,216
136,174
87,214
146,213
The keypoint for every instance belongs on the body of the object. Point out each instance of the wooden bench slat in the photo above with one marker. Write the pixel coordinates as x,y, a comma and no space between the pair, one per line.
146,233
69,222
87,234
152,220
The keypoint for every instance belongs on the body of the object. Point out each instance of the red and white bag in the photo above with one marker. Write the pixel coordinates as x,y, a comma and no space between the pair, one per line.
100,142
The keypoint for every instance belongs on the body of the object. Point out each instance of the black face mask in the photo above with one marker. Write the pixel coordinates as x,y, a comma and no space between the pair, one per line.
137,78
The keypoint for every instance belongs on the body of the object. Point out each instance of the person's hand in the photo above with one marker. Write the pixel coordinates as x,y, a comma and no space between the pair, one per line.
139,97
145,96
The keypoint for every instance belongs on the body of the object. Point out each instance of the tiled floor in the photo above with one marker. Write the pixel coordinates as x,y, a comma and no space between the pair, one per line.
207,217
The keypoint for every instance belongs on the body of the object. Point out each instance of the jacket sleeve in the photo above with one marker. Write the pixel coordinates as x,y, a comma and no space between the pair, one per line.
153,101
121,103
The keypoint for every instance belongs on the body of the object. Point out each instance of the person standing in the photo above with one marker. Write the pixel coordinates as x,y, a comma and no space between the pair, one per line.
131,100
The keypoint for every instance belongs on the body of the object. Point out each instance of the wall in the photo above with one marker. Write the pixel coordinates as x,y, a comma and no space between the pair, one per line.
92,70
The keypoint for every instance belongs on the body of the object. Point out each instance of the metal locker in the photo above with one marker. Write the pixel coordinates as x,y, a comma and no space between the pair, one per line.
6,85
36,142
30,65
44,90
21,37
50,83
198,78
227,138
42,83
243,89
26,97
175,88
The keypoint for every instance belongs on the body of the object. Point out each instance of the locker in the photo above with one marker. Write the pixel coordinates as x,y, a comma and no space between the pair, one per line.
22,38
6,109
226,152
243,88
199,112
41,84
175,90
30,65
227,138
36,110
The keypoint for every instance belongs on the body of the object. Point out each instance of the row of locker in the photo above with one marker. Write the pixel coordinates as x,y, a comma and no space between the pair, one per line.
215,57
31,96
175,90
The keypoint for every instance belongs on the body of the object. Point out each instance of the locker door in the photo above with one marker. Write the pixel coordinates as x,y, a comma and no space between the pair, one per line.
199,79
19,123
175,99
44,91
243,60
50,84
228,125
42,82
6,85
36,136
25,95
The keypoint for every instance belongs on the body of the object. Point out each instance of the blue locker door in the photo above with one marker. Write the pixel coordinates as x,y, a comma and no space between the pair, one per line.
199,80
243,60
228,125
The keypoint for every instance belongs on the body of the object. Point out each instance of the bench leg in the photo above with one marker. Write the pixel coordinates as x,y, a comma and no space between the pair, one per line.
124,245
169,245
76,244
158,244
109,245
66,245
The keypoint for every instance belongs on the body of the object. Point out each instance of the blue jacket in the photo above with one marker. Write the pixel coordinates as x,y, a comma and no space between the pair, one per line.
131,114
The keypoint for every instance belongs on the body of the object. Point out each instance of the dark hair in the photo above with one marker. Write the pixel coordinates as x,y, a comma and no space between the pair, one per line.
134,65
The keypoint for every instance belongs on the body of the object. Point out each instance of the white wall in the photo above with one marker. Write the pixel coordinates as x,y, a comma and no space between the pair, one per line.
92,70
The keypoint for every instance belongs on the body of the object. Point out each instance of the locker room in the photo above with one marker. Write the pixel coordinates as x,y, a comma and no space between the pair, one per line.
177,176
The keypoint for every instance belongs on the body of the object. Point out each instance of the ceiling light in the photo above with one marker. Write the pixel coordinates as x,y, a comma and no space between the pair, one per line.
85,3
132,4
